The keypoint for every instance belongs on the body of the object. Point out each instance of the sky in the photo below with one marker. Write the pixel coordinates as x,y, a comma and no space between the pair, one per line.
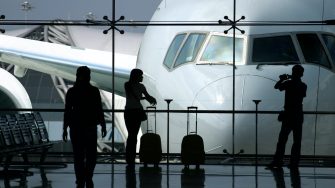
77,9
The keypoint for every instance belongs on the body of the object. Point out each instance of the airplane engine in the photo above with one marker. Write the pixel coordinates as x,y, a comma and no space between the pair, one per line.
12,93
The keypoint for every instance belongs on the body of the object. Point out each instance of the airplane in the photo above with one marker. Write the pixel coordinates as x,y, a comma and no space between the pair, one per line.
193,65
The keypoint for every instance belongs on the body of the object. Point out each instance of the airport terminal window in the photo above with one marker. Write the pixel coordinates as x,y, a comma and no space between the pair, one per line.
190,48
330,43
173,50
312,49
220,49
274,49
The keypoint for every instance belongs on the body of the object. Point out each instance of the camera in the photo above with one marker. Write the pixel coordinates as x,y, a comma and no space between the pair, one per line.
285,76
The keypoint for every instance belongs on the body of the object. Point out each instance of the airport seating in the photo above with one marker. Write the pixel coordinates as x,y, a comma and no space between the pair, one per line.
6,139
41,127
38,131
21,134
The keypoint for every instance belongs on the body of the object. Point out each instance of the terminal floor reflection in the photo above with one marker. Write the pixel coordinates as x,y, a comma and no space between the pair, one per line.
212,176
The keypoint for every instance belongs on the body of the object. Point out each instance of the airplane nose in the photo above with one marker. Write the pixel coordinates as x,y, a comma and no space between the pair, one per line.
217,95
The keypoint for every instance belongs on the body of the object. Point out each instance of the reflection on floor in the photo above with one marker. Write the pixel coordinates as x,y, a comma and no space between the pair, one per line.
108,175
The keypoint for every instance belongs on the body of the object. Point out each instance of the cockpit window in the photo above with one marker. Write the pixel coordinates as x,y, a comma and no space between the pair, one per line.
190,48
312,49
200,47
274,49
330,43
173,50
220,50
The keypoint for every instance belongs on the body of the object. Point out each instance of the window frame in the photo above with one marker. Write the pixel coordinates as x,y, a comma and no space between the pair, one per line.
180,48
296,46
182,45
331,60
198,56
205,44
251,47
178,51
325,49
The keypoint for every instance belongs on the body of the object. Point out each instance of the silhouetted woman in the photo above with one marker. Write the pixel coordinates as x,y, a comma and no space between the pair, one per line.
133,115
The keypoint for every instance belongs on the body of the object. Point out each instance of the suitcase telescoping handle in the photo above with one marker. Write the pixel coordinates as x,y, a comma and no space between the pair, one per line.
189,109
152,108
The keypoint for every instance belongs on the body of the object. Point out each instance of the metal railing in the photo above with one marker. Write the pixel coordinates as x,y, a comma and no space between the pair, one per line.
313,136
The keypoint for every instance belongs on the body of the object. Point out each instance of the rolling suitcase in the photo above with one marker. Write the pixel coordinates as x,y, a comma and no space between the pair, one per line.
150,146
192,147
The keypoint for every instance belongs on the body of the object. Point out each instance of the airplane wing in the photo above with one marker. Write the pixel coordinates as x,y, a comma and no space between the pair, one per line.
61,60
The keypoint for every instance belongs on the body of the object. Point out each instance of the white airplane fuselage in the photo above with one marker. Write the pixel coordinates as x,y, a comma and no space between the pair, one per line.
200,76
210,85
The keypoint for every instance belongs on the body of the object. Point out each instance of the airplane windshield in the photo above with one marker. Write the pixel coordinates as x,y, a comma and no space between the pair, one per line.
173,50
274,49
312,49
203,47
330,43
220,50
190,48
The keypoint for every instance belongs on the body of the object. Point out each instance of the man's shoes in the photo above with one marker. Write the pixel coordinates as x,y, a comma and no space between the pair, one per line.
273,165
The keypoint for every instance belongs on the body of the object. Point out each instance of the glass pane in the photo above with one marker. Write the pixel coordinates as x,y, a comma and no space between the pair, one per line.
190,48
172,52
330,43
274,49
312,49
220,49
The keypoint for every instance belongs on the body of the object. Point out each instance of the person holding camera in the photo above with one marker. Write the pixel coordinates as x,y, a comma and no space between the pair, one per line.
292,120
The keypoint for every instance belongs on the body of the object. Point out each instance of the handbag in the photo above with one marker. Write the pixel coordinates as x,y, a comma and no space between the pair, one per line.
281,116
143,115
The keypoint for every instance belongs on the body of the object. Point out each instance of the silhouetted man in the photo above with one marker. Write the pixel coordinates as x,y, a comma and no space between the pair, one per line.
83,112
295,91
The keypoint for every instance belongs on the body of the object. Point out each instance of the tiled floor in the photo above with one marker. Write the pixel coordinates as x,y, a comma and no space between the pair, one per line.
212,176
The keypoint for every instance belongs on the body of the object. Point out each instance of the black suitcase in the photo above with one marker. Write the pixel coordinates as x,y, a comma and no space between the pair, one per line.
192,147
151,147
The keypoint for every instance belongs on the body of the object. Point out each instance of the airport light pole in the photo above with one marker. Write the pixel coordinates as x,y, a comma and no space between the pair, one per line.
256,140
168,101
256,131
